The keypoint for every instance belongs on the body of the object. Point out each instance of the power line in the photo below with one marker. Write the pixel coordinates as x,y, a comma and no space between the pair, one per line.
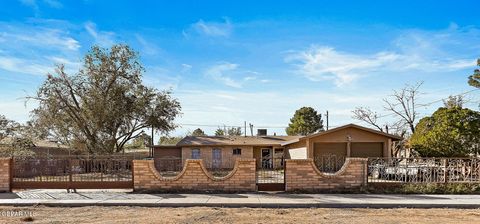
430,103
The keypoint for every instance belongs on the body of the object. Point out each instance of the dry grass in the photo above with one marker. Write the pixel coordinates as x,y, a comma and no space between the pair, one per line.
240,215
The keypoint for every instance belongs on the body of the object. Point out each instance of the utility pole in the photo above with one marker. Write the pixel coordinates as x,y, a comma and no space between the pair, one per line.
386,128
245,128
327,119
151,145
251,128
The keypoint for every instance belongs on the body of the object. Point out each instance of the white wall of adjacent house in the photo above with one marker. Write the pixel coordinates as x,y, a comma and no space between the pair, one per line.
298,153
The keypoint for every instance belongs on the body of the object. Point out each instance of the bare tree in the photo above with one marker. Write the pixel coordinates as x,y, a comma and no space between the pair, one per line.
368,116
403,104
454,101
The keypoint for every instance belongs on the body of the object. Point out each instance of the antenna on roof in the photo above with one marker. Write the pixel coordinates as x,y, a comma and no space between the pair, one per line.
251,129
327,119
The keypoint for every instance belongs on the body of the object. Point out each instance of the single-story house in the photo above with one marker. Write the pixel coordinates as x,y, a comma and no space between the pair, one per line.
346,141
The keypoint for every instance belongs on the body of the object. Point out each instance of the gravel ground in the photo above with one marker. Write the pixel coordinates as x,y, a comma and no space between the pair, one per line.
94,214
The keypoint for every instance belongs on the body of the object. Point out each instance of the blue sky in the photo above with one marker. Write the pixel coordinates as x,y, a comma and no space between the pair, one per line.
251,61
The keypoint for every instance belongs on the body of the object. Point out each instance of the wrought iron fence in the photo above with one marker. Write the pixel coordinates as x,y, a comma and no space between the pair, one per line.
271,171
423,170
66,170
329,163
168,167
220,167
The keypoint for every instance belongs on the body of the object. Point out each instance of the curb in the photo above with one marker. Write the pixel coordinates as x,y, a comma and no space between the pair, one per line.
247,205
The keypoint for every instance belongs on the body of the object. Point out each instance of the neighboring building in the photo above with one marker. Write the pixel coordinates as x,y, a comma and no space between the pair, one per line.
346,141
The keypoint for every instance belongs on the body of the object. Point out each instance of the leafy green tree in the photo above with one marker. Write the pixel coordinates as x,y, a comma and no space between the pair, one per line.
105,104
448,132
219,132
454,101
234,131
13,141
140,142
167,140
305,121
474,79
198,132
7,127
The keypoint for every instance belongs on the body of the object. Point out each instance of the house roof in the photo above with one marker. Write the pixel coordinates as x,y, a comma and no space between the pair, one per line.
167,146
235,140
394,137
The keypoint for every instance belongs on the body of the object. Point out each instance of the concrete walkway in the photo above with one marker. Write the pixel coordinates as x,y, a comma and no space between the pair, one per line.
126,198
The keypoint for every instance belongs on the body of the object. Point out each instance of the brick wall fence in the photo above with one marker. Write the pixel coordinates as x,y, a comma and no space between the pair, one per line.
194,177
302,175
5,174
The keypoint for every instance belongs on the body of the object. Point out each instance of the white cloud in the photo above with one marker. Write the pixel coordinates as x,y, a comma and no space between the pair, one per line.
451,49
103,38
34,48
413,50
42,37
160,78
219,72
146,46
321,63
214,29
34,4
232,75
19,65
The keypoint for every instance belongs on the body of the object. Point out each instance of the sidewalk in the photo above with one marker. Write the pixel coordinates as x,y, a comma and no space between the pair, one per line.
270,200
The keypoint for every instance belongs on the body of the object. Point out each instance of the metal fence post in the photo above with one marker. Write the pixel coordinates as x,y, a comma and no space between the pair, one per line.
445,172
70,178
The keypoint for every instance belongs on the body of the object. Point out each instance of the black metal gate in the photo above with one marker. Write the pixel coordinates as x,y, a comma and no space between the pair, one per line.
72,173
270,172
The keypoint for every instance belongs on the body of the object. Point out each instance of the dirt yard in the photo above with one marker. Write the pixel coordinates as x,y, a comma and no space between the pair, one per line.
237,215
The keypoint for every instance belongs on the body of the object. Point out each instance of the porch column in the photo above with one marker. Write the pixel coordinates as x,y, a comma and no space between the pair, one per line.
348,149
389,148
309,149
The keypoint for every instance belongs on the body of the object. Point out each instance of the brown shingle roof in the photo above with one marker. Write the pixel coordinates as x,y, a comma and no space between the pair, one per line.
235,140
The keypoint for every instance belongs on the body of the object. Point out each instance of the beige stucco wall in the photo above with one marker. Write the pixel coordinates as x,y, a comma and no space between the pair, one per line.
228,159
356,135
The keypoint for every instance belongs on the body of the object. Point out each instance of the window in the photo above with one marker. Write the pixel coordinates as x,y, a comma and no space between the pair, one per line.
195,153
237,151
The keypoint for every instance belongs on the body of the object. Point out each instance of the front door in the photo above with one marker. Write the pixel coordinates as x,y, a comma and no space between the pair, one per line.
266,159
216,158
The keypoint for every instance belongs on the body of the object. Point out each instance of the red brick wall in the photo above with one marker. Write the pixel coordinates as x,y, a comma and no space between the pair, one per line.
174,152
194,177
303,175
5,164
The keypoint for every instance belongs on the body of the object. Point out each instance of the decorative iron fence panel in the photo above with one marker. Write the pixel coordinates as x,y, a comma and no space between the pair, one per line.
168,167
72,172
329,163
423,170
271,171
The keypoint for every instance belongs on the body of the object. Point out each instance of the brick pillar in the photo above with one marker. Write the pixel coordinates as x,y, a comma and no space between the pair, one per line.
5,174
